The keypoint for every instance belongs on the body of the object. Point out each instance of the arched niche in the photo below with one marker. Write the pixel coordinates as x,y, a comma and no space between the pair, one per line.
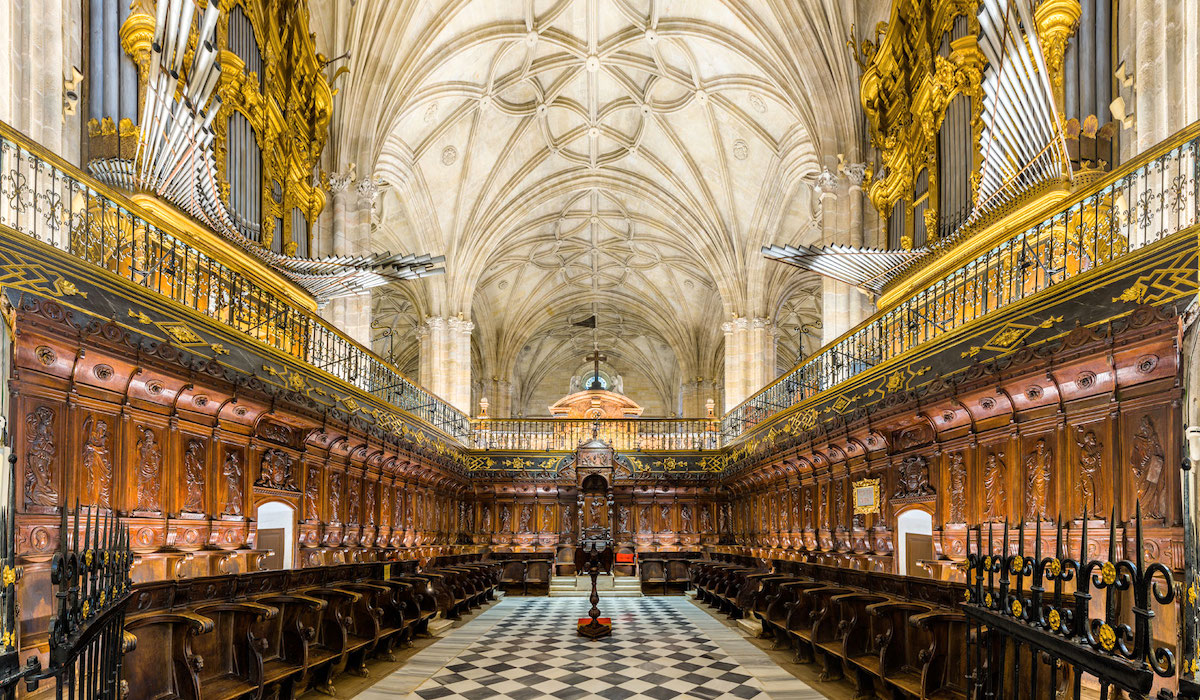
277,531
914,533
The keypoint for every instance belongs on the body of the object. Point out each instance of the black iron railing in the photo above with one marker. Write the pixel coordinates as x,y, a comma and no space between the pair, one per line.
46,198
1051,626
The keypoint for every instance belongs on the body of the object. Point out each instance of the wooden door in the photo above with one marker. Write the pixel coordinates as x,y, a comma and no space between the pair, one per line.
272,539
917,548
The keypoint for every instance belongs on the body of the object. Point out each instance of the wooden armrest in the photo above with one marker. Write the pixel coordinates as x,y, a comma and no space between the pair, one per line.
340,592
846,597
198,624
363,584
293,599
264,611
881,608
923,619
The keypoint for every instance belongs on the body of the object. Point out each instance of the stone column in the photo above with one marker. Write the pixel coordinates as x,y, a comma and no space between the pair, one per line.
459,360
834,308
860,306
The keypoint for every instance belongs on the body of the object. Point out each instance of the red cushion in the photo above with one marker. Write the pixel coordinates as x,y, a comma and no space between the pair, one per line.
625,558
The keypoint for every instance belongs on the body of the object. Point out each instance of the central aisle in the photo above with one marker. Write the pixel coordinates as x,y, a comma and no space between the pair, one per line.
525,648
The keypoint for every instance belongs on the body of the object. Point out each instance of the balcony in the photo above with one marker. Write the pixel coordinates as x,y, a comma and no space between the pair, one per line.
1108,221
624,434
47,199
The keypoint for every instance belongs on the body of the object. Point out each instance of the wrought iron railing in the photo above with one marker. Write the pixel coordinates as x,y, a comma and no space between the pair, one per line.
46,198
544,434
1047,626
1144,201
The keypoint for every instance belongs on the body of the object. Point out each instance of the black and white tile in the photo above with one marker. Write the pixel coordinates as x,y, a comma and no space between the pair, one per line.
527,648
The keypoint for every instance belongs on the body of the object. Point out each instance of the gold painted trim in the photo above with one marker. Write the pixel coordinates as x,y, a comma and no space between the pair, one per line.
873,506
225,252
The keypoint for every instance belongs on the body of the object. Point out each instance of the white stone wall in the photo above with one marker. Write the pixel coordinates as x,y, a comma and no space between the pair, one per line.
40,43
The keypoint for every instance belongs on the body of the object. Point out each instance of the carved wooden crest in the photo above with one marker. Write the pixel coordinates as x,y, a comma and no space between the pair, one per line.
276,471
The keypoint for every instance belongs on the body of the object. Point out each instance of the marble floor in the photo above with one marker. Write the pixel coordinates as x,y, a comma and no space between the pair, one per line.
527,648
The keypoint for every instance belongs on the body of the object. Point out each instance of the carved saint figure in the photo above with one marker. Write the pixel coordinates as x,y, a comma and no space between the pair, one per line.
568,516
958,487
623,520
594,513
839,501
96,462
232,471
369,504
485,516
1148,460
526,516
335,497
685,517
312,486
193,474
808,507
705,519
993,488
644,519
505,518
353,504
1037,481
39,459
547,518
149,459
665,515
723,519
1090,459
384,507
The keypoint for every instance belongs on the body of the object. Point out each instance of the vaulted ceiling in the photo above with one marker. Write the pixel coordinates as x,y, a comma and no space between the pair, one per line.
618,158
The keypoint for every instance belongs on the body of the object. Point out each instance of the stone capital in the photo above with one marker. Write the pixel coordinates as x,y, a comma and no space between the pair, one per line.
461,325
826,183
856,173
340,182
368,191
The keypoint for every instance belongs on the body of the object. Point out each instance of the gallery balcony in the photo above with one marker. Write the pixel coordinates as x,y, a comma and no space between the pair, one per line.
1049,258
52,207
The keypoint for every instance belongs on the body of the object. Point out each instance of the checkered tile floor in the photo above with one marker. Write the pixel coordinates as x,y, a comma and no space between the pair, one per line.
654,652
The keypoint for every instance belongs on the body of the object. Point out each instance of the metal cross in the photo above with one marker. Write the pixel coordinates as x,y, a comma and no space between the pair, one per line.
596,358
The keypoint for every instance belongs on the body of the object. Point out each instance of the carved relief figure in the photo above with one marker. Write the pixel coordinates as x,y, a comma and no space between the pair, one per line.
275,472
193,474
96,463
644,519
595,516
526,516
1148,460
352,501
1090,460
505,518
705,519
485,515
369,503
312,487
958,487
335,497
547,518
1037,481
808,507
685,517
232,471
149,460
665,515
385,493
623,520
823,505
795,510
398,509
839,501
993,488
723,518
39,459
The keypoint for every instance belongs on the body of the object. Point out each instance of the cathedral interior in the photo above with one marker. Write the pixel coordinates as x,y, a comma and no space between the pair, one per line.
599,349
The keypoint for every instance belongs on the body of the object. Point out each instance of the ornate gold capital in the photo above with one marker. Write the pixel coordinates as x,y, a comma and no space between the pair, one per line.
1056,21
